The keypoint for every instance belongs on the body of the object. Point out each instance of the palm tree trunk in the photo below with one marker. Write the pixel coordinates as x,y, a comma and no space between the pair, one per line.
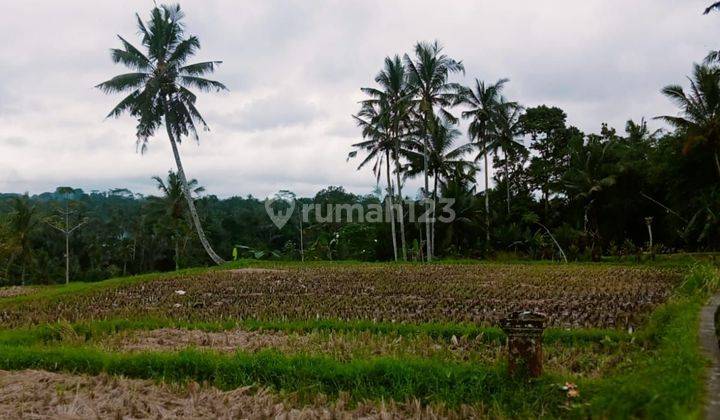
427,201
434,223
487,202
177,255
302,249
717,162
507,182
186,191
401,216
389,199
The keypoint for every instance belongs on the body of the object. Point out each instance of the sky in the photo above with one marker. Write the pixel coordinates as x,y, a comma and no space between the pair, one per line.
294,70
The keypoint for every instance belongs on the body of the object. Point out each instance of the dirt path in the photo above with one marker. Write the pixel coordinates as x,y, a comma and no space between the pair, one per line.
709,342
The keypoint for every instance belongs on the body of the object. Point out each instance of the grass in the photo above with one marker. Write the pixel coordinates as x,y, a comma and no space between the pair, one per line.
667,381
94,330
377,378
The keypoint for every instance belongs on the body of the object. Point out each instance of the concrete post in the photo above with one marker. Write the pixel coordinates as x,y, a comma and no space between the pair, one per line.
524,330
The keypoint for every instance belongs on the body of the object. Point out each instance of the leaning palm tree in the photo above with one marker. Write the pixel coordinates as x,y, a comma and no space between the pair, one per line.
506,137
483,102
699,122
159,89
428,75
394,101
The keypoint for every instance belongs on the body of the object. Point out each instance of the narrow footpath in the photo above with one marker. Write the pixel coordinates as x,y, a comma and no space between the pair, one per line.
709,343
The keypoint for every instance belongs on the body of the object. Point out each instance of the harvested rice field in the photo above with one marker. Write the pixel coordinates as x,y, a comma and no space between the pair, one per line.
342,341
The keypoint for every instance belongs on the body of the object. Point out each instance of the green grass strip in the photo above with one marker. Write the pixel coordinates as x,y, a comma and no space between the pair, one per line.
666,381
88,331
398,379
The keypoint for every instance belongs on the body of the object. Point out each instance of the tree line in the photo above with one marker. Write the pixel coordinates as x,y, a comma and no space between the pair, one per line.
555,193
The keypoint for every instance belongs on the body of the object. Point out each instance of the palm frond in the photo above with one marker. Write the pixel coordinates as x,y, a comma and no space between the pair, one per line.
204,85
199,69
123,82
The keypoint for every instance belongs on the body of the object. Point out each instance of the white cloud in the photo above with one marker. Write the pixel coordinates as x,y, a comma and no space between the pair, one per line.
295,68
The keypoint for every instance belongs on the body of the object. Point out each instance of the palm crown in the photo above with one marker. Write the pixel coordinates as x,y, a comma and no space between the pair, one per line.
700,110
160,84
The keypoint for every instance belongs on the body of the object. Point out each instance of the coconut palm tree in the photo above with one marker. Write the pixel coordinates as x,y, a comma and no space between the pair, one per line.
590,173
483,102
378,146
394,100
505,137
159,87
170,206
443,159
428,75
699,121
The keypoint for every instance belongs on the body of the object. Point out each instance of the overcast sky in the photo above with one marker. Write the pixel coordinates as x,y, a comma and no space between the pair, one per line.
294,69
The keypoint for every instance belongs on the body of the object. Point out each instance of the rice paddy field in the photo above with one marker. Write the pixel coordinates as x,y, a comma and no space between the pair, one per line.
356,340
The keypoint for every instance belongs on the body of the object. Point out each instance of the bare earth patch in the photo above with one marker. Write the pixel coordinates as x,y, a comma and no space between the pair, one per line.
45,395
256,270
15,291
224,341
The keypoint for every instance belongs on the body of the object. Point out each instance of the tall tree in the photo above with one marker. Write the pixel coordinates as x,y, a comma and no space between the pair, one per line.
591,172
444,159
160,89
428,78
394,100
549,139
378,146
483,102
506,131
699,122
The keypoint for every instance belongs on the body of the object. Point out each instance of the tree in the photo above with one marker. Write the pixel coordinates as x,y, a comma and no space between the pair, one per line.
22,221
591,172
483,103
379,145
171,209
699,123
394,100
428,76
160,89
505,135
549,138
444,160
